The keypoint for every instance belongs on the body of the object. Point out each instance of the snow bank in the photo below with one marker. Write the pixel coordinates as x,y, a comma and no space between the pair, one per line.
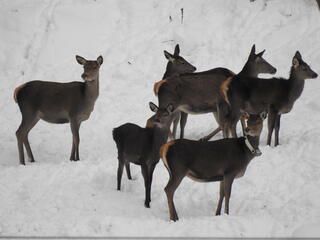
278,196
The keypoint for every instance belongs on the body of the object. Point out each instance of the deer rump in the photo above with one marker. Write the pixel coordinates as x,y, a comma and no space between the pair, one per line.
134,141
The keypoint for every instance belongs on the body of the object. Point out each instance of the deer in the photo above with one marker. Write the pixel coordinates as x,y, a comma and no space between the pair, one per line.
276,95
221,160
199,93
141,146
176,65
58,103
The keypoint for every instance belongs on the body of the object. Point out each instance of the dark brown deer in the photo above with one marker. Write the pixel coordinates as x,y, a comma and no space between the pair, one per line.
198,93
141,145
277,95
176,65
222,160
55,102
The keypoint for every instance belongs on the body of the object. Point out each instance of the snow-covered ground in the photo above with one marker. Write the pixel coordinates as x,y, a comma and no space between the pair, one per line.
278,196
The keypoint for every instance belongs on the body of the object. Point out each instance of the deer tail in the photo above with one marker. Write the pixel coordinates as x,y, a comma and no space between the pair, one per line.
16,92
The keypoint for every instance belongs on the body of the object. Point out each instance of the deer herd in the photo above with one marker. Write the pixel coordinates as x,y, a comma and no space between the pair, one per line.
229,96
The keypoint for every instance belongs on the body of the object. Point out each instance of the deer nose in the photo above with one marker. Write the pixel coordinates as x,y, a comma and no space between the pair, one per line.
194,68
247,130
274,70
84,76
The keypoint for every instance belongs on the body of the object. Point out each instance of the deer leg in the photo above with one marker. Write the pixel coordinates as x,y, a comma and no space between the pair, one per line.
75,125
150,176
228,180
26,125
175,124
144,170
276,130
218,211
171,187
26,141
119,173
127,164
271,123
214,132
183,122
208,137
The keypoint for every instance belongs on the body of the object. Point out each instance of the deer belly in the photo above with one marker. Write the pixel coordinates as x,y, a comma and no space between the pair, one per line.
58,117
190,109
198,178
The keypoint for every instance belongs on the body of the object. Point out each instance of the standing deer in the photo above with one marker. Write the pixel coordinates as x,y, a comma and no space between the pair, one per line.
141,145
222,160
277,95
176,65
198,93
55,102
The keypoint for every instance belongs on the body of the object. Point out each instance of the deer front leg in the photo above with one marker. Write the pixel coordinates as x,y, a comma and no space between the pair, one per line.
228,180
75,125
277,129
218,211
127,164
144,170
183,122
271,123
175,124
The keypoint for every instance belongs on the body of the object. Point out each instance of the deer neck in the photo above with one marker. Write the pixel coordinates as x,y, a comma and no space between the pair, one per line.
248,70
252,143
170,72
92,89
296,85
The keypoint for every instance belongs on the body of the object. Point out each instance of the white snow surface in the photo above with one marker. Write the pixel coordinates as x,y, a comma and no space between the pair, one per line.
279,194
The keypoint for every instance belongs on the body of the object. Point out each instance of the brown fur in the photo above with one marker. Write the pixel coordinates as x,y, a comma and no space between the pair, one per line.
16,91
163,152
157,86
224,89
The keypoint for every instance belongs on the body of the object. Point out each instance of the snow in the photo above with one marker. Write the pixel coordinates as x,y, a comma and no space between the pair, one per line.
279,194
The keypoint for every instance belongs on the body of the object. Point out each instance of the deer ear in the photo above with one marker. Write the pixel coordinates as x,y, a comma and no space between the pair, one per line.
295,62
298,55
153,107
263,115
176,51
81,60
253,50
100,60
261,53
168,56
170,108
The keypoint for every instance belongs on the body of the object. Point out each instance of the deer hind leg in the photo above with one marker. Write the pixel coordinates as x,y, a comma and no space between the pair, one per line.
27,123
75,125
26,140
171,187
127,164
214,132
271,124
183,122
277,129
218,211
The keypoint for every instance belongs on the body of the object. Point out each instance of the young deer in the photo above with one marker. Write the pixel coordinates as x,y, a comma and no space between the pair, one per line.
198,93
56,102
222,160
176,65
141,145
277,95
